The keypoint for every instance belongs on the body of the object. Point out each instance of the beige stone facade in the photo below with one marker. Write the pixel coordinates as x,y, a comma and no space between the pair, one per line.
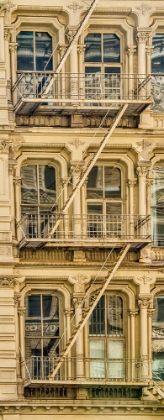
81,209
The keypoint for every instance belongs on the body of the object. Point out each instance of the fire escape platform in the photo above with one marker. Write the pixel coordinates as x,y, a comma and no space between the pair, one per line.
136,244
29,107
76,383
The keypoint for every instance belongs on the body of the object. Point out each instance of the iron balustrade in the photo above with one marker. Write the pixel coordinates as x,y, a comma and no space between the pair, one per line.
89,89
95,369
88,227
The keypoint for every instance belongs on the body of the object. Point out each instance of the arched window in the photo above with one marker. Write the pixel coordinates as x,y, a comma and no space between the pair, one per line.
106,339
158,206
38,196
158,339
104,201
102,65
41,333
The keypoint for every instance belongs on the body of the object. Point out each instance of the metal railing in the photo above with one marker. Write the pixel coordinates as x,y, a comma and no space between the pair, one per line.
91,369
88,227
82,88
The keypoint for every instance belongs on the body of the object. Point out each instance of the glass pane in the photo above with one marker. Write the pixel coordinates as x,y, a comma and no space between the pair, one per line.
111,48
25,51
158,360
51,347
114,306
33,307
115,350
158,206
29,190
97,367
114,209
50,306
47,184
116,368
43,51
112,182
93,48
94,220
95,183
93,83
97,319
158,54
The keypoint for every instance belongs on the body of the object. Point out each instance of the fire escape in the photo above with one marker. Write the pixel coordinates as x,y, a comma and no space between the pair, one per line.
50,93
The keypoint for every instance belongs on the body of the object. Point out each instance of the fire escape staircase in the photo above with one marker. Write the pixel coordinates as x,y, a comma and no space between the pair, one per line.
94,300
157,392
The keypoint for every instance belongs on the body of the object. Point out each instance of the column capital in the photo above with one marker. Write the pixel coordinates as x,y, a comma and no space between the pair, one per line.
13,47
133,312
149,49
131,49
142,170
77,167
68,312
144,300
81,48
132,182
78,301
142,35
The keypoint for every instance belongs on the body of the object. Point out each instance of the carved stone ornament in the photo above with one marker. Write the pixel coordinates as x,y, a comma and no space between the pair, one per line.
79,282
144,8
157,93
77,143
144,301
145,279
75,6
8,282
12,144
6,6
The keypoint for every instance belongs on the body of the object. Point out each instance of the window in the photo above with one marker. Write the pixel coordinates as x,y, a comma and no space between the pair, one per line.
104,202
158,339
157,68
103,72
41,333
158,206
34,51
106,340
158,54
34,58
38,195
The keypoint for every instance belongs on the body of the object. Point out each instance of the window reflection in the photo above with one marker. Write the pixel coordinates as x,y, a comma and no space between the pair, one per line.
158,206
158,54
158,338
102,48
34,51
42,331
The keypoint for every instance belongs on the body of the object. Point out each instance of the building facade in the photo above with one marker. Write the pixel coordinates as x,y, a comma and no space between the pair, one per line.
81,209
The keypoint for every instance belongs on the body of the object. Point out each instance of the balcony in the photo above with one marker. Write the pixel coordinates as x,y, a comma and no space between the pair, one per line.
47,93
95,371
91,230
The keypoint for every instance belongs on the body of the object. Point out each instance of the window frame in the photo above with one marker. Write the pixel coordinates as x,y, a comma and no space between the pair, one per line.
109,338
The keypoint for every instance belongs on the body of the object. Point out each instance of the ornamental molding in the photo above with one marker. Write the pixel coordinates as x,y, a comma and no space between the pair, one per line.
76,143
75,7
10,281
11,145
79,281
7,6
143,8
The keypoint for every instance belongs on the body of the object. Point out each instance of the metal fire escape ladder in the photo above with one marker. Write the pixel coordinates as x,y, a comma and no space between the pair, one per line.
70,46
88,168
94,300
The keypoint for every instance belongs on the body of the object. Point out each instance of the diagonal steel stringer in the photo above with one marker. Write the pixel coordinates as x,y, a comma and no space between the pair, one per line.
88,168
88,313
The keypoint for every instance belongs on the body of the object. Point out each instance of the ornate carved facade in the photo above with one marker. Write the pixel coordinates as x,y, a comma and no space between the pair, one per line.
81,210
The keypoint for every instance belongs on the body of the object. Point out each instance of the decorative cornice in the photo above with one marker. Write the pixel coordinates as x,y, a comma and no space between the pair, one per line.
143,8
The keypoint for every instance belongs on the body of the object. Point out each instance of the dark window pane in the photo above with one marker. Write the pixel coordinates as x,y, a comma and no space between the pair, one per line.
111,48
47,184
93,48
95,183
25,51
158,54
158,206
33,306
97,319
112,182
43,51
